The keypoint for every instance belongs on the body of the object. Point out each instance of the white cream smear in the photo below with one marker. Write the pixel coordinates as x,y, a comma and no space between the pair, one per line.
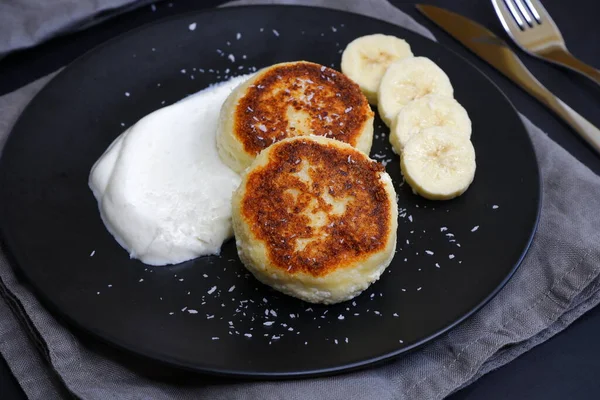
162,190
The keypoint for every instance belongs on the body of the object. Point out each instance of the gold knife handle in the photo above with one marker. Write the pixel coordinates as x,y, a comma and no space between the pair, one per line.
512,67
589,132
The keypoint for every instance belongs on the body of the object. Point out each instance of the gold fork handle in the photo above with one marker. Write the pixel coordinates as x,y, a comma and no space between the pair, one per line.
562,57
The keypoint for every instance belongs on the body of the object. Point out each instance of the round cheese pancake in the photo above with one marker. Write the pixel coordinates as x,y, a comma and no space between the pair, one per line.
287,100
315,219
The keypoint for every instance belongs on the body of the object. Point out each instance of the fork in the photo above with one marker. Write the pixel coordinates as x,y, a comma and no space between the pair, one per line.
530,26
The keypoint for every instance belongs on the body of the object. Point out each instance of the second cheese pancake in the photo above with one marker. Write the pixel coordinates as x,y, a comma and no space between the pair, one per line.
292,99
315,219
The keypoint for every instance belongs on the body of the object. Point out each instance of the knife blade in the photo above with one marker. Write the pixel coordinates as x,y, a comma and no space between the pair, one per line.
496,52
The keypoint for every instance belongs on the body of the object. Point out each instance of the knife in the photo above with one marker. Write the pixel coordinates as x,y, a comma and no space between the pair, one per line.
496,52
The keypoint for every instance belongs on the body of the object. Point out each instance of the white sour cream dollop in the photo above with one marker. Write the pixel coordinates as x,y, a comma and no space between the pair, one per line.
162,190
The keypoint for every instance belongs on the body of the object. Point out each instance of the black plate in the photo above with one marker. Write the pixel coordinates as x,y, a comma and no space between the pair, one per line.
51,224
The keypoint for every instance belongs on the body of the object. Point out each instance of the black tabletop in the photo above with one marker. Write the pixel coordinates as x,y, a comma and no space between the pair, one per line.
566,366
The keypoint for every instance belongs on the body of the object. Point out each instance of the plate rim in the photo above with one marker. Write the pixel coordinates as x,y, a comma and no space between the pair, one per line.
175,362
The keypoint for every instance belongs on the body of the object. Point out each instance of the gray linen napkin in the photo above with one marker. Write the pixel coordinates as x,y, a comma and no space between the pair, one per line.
557,282
25,23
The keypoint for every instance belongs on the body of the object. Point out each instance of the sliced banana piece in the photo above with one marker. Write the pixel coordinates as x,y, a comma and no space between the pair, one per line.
426,112
366,58
409,79
438,163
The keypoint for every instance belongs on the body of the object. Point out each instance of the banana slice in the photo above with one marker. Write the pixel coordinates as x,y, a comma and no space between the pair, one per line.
407,80
366,58
426,112
438,163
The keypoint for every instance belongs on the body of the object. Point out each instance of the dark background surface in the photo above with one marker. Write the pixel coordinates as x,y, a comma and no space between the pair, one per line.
568,365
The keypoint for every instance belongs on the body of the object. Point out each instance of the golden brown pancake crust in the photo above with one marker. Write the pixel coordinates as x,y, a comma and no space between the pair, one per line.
278,217
337,107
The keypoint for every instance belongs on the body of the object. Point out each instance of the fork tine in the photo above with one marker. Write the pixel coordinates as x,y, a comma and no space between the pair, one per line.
524,12
514,12
534,10
541,15
504,15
